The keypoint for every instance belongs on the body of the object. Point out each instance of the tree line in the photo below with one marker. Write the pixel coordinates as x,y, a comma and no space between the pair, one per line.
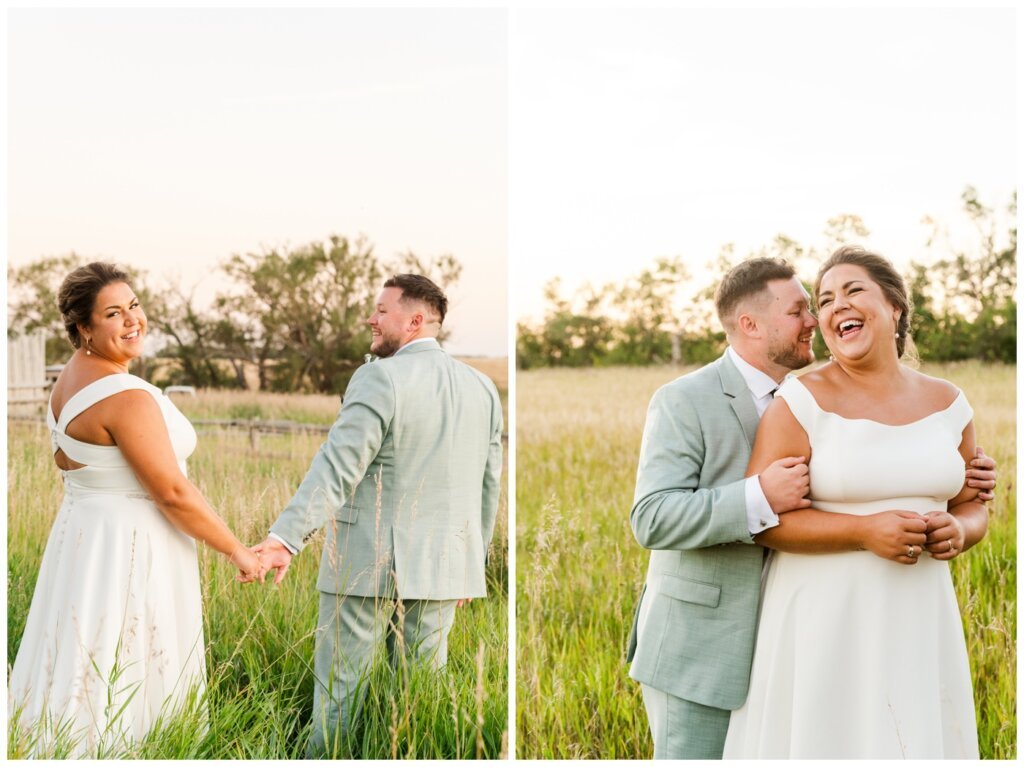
964,302
295,316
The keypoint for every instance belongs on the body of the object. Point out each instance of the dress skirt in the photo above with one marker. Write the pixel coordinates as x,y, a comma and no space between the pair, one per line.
114,636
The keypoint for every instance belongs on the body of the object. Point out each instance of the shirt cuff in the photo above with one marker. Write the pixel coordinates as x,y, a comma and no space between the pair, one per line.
295,551
760,516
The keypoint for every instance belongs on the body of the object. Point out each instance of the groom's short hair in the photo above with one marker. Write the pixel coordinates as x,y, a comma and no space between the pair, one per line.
744,280
416,287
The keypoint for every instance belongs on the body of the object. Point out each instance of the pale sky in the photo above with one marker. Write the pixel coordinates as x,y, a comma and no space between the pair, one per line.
670,132
168,139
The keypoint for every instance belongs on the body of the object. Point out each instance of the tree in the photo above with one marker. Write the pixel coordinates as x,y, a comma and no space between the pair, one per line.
298,313
196,342
32,302
965,305
574,333
646,304
965,301
844,229
529,348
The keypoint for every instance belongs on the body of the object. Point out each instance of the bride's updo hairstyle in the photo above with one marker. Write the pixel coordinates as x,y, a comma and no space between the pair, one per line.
77,295
886,277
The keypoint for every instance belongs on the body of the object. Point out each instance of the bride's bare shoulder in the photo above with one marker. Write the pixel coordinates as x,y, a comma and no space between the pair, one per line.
936,391
821,380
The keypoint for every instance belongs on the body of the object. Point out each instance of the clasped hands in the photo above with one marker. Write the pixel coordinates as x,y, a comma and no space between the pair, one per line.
901,536
254,563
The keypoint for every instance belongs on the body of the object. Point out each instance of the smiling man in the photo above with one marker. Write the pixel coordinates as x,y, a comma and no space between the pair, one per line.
693,633
408,484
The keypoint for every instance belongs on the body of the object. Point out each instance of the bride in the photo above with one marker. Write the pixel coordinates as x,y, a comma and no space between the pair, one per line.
861,655
114,635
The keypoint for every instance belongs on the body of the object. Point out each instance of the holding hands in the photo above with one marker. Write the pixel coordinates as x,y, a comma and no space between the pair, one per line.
254,563
273,555
248,563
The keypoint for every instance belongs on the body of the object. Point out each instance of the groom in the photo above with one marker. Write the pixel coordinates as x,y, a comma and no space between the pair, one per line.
692,640
407,483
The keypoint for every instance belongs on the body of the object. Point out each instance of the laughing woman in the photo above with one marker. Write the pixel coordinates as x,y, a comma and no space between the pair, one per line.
114,636
861,654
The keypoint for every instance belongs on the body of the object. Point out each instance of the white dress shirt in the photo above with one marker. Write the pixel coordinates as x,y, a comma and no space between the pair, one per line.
760,516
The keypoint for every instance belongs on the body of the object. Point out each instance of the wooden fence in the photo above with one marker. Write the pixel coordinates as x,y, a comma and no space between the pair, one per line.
26,374
254,428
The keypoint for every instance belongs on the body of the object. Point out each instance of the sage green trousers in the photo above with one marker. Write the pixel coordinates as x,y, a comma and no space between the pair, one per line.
350,631
683,729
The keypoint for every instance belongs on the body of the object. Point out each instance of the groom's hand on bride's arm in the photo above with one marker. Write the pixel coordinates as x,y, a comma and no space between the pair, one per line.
982,475
274,556
786,484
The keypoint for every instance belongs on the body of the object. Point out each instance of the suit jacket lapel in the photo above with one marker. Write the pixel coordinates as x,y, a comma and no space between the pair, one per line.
735,388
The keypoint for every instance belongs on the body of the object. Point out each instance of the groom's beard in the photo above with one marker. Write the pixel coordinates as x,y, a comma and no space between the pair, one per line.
385,347
792,356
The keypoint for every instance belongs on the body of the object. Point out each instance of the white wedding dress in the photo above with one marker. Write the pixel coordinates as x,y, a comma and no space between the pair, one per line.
858,656
114,636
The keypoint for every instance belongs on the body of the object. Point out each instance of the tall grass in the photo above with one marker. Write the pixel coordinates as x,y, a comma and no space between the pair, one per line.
259,639
579,568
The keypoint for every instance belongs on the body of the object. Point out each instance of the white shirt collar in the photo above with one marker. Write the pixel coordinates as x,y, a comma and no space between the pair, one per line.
760,383
414,341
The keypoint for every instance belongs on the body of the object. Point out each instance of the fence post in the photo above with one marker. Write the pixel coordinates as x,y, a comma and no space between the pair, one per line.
26,371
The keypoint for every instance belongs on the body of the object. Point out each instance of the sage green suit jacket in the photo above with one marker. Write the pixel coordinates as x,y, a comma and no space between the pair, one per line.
700,601
407,481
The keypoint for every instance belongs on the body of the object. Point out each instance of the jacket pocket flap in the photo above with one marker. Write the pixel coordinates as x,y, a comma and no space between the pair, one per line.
690,591
347,513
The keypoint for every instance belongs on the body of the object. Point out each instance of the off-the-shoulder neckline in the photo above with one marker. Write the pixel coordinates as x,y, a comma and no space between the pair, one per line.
957,398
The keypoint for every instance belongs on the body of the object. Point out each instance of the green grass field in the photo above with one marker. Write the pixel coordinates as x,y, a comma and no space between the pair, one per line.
579,569
260,639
